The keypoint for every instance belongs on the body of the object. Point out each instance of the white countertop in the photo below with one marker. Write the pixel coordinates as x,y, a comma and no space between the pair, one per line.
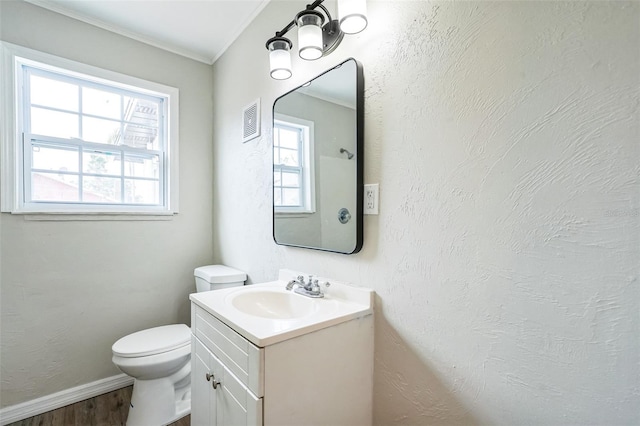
341,303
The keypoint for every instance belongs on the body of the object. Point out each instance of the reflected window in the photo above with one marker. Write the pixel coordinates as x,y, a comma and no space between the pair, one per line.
293,182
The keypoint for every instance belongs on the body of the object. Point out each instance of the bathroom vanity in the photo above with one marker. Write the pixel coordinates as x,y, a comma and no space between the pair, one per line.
263,355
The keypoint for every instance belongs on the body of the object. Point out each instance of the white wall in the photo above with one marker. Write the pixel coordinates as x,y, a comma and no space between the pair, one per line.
505,138
69,290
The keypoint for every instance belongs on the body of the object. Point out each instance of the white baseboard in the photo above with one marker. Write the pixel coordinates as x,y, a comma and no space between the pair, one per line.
60,399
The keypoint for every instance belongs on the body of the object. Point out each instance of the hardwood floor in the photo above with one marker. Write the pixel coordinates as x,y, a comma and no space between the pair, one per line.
110,409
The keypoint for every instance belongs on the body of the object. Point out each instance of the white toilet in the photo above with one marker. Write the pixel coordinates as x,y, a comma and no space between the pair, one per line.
159,359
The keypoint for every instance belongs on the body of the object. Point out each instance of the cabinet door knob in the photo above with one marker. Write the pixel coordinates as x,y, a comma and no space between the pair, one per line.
215,384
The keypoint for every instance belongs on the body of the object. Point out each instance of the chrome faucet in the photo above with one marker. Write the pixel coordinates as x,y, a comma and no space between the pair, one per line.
309,289
299,281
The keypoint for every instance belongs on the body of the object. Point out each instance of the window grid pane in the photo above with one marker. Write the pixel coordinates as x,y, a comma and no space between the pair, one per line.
98,189
98,162
54,187
59,158
100,130
55,94
101,103
53,123
291,197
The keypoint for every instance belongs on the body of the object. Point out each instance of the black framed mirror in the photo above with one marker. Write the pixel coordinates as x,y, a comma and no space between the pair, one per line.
318,161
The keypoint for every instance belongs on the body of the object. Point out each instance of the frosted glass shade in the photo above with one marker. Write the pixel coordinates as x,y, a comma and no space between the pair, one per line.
309,34
279,58
352,15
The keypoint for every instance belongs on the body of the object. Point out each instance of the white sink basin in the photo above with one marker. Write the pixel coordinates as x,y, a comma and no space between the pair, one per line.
267,313
272,304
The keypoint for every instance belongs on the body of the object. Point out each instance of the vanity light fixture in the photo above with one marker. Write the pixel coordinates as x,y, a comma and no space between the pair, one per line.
317,36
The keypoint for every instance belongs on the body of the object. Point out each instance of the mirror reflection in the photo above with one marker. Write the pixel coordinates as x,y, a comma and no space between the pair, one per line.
317,162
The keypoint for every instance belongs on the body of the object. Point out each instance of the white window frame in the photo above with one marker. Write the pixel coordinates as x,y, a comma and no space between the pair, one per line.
308,167
13,139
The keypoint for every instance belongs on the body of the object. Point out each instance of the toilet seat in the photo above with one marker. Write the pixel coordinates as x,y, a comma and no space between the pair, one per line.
152,341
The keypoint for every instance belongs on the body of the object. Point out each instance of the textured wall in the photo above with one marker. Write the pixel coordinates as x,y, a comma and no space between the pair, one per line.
505,138
69,290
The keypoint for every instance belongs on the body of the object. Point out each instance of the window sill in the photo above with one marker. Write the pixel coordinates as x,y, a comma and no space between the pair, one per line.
85,216
294,214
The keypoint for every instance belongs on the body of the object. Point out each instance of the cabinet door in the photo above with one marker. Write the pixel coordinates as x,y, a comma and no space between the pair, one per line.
203,399
230,403
236,404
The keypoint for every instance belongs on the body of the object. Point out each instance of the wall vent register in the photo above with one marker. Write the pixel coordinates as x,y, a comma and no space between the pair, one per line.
251,121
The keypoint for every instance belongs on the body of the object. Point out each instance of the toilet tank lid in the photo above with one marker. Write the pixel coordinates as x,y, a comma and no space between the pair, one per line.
153,341
219,274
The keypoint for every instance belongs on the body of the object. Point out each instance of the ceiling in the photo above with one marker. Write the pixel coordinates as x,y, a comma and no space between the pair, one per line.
198,29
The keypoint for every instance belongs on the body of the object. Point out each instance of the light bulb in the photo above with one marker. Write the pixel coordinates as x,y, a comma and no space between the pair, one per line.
352,15
310,34
279,57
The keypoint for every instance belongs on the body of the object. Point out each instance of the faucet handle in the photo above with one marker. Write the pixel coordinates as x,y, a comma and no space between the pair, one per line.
312,285
300,279
315,286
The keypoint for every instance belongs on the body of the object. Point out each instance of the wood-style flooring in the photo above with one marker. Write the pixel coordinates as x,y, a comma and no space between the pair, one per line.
110,409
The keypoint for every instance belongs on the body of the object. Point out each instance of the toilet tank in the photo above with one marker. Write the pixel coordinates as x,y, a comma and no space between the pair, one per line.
214,277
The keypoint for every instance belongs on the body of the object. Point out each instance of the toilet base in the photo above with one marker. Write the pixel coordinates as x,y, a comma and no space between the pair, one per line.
158,402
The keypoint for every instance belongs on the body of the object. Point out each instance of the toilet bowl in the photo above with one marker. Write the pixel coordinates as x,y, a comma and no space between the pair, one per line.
159,360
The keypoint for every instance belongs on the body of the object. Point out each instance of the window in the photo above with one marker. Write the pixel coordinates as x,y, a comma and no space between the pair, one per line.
87,140
293,178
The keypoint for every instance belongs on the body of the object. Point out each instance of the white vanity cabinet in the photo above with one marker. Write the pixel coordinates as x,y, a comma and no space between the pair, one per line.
322,377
